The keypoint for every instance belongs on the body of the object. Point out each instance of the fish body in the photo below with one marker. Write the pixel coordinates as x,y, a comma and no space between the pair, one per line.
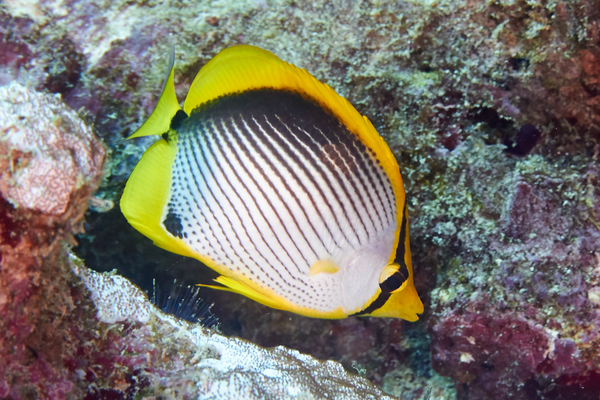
277,183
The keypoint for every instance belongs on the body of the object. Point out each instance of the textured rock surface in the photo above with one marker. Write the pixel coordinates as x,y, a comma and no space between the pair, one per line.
50,163
48,151
492,111
199,363
96,336
516,309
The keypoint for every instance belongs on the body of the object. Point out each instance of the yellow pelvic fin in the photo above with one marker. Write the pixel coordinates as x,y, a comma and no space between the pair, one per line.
323,266
159,121
232,285
242,68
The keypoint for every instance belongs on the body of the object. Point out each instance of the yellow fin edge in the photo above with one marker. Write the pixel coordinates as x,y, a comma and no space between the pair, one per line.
273,301
145,196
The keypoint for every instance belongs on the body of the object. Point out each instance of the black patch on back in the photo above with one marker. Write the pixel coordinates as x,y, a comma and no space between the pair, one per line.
173,224
314,127
179,117
291,107
319,129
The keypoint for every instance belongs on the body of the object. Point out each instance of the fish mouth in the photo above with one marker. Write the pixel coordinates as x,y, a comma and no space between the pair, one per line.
410,312
412,316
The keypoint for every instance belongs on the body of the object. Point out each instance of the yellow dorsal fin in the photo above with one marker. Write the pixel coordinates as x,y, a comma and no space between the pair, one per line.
241,68
159,121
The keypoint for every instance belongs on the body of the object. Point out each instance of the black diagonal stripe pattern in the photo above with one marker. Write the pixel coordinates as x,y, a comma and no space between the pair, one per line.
267,182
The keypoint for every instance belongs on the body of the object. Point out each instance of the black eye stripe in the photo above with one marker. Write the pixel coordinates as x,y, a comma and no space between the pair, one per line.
393,282
402,272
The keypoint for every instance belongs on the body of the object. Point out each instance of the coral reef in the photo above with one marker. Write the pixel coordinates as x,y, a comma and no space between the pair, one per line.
183,360
49,152
492,109
516,310
50,163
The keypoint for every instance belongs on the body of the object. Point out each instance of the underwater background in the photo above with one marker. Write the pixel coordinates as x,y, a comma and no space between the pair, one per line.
492,109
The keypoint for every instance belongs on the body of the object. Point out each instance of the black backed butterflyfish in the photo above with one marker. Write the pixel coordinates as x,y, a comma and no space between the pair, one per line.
276,182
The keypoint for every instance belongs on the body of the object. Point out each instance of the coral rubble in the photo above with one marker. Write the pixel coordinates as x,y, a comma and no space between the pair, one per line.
186,360
49,152
50,163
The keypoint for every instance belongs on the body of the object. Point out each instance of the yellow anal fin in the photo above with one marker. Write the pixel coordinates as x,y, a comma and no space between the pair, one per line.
273,300
159,121
231,285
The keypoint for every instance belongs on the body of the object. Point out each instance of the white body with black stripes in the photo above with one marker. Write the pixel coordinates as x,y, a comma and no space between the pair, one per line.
267,184
277,183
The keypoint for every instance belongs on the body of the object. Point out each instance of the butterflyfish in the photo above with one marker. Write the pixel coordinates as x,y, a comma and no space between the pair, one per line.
277,183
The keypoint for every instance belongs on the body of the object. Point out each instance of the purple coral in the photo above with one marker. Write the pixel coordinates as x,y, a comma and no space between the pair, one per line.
486,352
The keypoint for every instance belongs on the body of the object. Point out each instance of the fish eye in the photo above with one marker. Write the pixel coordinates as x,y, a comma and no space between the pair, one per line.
392,278
390,284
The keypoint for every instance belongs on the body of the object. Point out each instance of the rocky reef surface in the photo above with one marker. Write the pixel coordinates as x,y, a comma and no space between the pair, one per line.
491,108
50,163
183,360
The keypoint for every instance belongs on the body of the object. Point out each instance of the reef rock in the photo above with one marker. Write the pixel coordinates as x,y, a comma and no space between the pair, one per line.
196,362
492,110
50,163
520,319
47,152
69,333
